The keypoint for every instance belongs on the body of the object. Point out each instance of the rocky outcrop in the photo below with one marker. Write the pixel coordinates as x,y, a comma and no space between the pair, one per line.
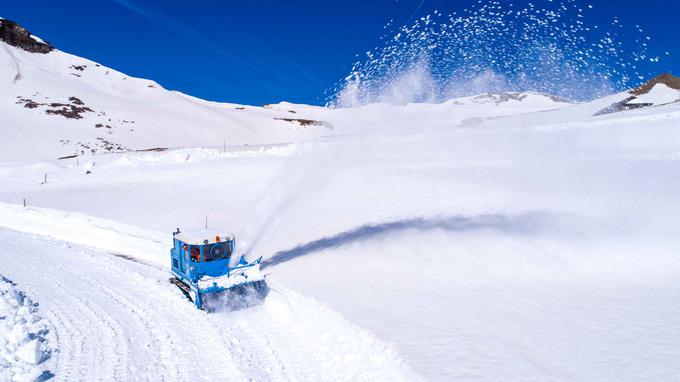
72,110
501,97
17,36
305,122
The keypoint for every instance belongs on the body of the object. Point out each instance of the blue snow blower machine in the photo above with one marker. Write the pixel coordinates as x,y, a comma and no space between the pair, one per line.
206,272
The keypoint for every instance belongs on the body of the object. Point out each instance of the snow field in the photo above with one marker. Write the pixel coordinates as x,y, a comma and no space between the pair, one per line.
487,304
533,247
489,253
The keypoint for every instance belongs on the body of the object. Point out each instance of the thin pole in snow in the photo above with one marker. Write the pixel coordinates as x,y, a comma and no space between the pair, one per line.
24,202
45,181
224,145
206,222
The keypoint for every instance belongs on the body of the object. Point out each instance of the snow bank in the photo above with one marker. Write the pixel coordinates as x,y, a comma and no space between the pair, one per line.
23,346
118,238
194,155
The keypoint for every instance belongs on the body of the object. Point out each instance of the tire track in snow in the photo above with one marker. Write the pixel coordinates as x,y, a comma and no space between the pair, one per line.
149,333
243,349
165,341
103,334
67,354
102,357
159,336
273,350
262,352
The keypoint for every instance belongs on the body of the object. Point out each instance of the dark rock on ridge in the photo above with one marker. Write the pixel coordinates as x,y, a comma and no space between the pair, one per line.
17,36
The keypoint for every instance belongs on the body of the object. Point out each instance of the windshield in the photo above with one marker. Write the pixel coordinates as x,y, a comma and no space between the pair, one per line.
217,251
195,253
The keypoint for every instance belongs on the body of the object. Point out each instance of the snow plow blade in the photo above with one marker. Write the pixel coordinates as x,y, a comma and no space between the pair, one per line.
236,297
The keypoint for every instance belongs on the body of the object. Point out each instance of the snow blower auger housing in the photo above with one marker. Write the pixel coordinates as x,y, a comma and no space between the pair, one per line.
205,271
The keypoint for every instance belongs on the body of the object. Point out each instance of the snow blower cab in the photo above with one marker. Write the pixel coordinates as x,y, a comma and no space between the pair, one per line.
208,274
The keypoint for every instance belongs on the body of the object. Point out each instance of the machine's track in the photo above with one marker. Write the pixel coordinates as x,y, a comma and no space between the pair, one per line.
186,291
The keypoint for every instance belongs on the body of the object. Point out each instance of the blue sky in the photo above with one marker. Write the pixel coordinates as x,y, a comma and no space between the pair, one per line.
258,52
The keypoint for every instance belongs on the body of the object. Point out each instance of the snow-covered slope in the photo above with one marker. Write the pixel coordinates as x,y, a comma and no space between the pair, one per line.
57,104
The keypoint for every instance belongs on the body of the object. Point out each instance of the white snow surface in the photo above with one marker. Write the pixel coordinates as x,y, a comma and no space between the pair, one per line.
660,94
23,336
240,276
496,237
38,39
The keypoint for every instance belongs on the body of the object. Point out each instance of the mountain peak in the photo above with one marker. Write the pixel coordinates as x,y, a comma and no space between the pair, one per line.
14,34
667,79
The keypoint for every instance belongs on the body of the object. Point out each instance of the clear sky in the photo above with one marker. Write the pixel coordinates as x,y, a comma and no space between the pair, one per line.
266,51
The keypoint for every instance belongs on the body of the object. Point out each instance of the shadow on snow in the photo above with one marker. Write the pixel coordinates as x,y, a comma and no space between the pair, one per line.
518,224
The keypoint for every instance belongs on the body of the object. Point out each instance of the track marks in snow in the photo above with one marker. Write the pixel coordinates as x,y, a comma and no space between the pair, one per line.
101,358
103,329
116,319
304,340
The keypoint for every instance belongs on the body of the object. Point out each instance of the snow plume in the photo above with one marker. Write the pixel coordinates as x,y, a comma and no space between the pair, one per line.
486,81
413,84
293,184
547,47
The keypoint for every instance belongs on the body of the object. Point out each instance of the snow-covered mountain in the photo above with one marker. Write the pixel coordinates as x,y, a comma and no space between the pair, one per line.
55,104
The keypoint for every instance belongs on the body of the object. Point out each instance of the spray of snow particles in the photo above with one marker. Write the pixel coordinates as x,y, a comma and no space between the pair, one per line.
493,46
546,46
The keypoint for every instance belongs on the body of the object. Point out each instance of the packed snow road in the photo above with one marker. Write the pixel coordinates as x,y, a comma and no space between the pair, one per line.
119,319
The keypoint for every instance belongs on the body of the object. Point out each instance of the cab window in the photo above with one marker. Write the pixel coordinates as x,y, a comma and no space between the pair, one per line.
195,253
